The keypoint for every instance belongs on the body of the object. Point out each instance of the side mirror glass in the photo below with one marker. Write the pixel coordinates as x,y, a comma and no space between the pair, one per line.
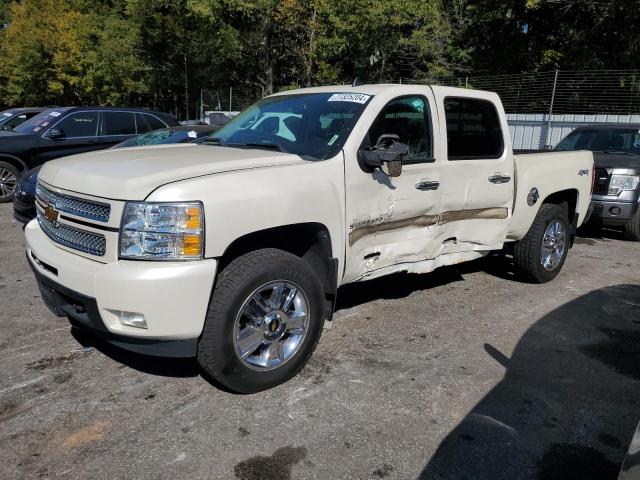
386,155
55,133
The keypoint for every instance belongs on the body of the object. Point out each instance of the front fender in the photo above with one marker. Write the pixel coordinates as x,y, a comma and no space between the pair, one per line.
238,203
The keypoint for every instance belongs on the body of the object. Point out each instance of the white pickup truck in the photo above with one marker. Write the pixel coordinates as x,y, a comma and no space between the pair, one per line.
232,250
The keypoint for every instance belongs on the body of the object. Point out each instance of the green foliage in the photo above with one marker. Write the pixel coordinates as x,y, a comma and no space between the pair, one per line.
153,52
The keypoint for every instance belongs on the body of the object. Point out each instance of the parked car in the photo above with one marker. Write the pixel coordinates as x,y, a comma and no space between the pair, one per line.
10,119
616,193
232,249
58,132
219,119
24,209
180,134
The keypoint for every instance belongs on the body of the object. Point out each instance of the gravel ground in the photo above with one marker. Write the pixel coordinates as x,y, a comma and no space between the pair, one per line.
463,373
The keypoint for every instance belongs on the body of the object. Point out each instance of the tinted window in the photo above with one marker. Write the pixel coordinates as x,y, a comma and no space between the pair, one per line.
408,118
118,123
79,124
154,122
473,129
41,121
15,121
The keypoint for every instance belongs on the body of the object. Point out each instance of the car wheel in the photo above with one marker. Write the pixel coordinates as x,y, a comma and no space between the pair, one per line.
631,230
8,181
263,323
540,255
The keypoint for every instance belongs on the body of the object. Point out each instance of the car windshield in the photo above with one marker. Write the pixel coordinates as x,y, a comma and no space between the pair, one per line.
614,140
40,122
312,125
158,137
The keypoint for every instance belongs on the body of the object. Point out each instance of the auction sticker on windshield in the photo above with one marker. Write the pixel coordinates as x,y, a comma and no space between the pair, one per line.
349,97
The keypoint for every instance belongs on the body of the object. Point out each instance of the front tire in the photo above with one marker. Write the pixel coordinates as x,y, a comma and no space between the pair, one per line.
540,255
264,320
9,176
631,230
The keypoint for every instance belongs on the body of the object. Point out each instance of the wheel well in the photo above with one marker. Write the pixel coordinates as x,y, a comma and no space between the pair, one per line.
309,241
15,161
567,197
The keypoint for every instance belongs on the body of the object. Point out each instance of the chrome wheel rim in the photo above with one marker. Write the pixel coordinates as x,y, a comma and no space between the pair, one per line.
8,182
553,245
271,325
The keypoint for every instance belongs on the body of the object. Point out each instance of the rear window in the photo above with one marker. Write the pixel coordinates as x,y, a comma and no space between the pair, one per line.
118,123
473,129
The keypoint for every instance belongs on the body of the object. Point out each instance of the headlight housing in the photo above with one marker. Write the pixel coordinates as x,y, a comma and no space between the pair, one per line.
620,183
162,231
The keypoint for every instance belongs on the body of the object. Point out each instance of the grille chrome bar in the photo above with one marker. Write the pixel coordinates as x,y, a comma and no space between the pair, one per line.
92,243
73,205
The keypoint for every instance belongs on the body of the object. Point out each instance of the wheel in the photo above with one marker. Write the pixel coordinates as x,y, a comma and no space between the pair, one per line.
540,255
631,230
264,321
9,176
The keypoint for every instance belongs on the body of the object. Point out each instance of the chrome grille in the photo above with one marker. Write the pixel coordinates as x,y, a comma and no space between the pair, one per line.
73,205
71,237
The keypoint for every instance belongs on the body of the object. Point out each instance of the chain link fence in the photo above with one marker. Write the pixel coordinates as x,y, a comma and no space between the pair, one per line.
541,107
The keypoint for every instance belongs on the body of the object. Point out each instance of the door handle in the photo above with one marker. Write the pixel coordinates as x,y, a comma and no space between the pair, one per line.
499,178
427,185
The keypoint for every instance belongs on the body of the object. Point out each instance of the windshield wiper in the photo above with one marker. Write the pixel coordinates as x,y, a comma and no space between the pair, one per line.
263,146
211,141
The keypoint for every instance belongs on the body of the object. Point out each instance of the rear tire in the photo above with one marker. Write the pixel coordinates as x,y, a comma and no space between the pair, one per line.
540,255
631,230
251,343
9,176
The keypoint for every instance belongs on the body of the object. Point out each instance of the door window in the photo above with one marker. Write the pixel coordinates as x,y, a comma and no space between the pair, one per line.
118,123
79,124
408,118
154,122
473,129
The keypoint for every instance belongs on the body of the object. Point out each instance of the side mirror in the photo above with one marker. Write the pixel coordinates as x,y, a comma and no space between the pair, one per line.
55,133
387,155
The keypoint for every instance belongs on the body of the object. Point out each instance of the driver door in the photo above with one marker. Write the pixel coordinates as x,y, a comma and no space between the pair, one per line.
393,220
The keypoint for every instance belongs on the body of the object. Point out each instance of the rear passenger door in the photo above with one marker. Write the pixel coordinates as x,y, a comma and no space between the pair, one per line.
116,127
477,176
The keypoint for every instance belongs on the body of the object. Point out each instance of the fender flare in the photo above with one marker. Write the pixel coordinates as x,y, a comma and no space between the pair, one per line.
15,159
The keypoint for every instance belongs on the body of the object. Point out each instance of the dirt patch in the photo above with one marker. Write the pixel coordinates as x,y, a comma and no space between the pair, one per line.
276,466
53,362
90,434
383,472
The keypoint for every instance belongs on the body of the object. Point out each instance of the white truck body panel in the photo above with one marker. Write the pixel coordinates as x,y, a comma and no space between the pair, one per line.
377,224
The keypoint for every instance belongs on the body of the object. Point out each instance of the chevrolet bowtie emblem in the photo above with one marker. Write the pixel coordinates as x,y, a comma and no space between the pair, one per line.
51,214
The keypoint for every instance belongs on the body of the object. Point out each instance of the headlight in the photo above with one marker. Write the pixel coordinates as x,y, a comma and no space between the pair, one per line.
620,183
162,231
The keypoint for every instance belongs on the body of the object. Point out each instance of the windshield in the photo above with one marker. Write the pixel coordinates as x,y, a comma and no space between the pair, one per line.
6,115
162,136
40,121
621,140
313,125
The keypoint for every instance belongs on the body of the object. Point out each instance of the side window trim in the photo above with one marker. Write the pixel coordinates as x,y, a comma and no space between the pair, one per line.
64,117
474,157
427,117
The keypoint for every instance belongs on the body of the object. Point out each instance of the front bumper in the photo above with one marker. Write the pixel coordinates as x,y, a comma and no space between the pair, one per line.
612,212
173,297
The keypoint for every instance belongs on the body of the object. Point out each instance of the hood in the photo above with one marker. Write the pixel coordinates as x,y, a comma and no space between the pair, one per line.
133,173
612,160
